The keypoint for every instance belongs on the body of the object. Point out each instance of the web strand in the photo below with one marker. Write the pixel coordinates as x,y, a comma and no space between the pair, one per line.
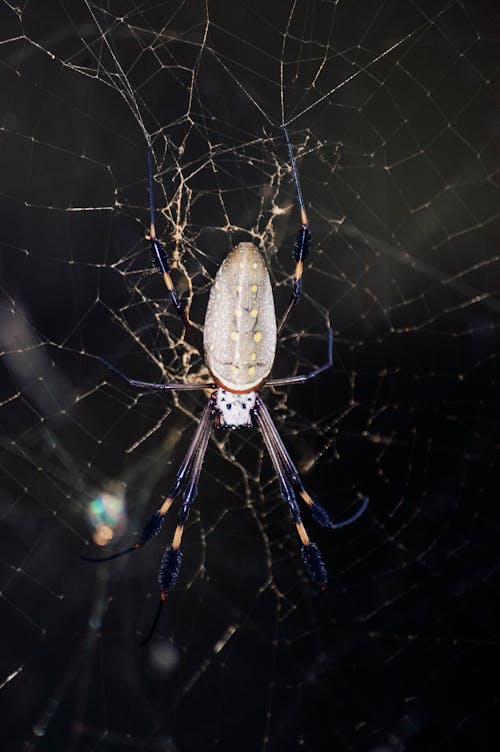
390,111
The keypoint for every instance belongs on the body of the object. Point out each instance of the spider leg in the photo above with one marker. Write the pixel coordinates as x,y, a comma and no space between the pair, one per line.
320,515
161,262
155,385
155,523
306,376
172,558
310,553
302,243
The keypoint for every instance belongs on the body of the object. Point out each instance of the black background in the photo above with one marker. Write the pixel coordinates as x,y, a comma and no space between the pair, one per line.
393,110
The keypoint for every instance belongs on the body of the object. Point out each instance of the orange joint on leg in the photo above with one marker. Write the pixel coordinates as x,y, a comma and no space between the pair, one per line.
177,537
168,281
299,268
303,217
302,534
163,596
165,506
152,232
305,497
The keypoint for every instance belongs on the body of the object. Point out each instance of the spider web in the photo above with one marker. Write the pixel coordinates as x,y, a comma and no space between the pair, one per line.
393,117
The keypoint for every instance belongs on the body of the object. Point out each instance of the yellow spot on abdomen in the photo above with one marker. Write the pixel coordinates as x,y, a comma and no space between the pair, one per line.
253,356
254,313
234,370
251,370
234,336
257,336
237,312
254,288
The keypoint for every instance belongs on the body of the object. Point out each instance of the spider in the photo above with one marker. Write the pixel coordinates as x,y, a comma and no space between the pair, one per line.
239,347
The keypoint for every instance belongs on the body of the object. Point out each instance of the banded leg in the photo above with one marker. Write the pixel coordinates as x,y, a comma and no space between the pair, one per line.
302,243
320,515
172,558
155,523
312,374
161,262
310,553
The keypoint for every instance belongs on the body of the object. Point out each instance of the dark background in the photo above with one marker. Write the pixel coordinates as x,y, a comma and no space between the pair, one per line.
393,111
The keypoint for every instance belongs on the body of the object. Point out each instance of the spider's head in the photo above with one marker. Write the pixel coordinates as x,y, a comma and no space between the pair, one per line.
234,409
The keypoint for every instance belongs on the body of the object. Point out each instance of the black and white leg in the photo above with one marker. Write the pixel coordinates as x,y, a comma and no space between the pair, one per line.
312,374
302,243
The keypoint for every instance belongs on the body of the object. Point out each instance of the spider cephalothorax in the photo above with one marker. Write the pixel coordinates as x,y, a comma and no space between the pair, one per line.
234,410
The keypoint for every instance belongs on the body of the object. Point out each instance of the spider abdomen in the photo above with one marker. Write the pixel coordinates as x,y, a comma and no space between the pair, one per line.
240,324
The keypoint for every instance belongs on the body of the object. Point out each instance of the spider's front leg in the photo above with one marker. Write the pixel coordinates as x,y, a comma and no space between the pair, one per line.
302,243
161,263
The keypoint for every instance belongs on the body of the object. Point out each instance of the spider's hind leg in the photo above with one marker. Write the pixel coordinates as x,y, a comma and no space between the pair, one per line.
310,553
172,558
155,522
312,559
319,513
